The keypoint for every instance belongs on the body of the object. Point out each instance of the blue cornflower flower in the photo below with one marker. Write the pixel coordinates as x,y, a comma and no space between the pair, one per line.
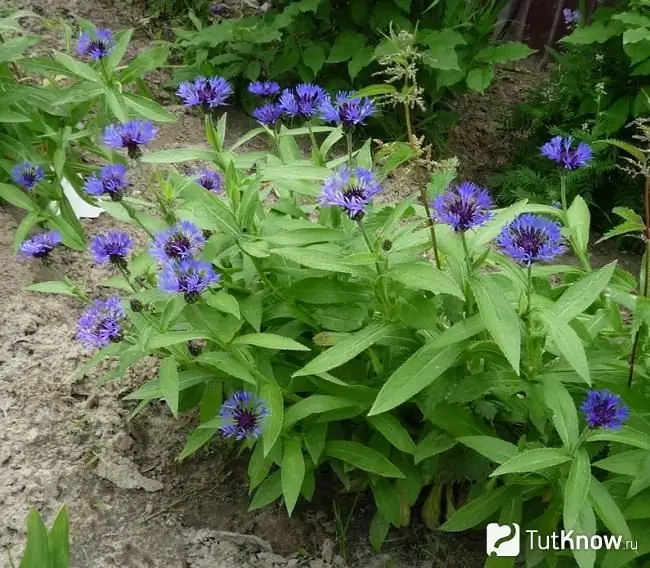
264,89
111,180
303,101
348,109
112,247
41,245
571,17
27,174
210,180
351,190
242,416
463,207
96,44
267,114
101,323
530,238
180,242
189,277
208,93
560,150
603,409
130,135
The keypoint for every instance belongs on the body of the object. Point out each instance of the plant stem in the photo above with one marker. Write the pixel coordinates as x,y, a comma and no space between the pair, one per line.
432,227
563,197
314,146
349,141
646,272
469,301
529,319
383,292
407,112
582,438
133,216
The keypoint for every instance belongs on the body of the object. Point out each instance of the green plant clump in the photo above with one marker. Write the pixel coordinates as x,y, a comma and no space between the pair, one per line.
432,352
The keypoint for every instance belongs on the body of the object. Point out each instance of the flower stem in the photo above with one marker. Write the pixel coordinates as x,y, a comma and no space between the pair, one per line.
432,227
646,273
314,146
469,301
349,141
529,319
582,438
563,196
382,290
132,215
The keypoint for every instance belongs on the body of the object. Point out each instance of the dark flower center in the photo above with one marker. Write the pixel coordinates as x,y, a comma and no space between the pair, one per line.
245,419
465,211
354,191
98,47
108,326
531,241
177,246
603,413
117,259
30,176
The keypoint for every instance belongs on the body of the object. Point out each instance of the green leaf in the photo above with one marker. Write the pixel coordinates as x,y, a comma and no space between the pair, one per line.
374,90
379,528
510,51
494,449
598,32
389,501
418,372
174,338
315,258
147,61
567,342
16,197
293,472
635,152
59,541
583,293
149,109
576,488
77,68
565,415
533,460
315,404
177,155
361,59
585,525
434,443
607,510
270,341
315,439
625,435
313,56
623,463
272,394
12,117
347,349
54,287
37,553
227,364
578,220
347,43
122,40
362,457
476,511
499,317
325,291
196,440
480,78
425,276
300,237
442,57
169,383
225,303
268,492
391,429
12,49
